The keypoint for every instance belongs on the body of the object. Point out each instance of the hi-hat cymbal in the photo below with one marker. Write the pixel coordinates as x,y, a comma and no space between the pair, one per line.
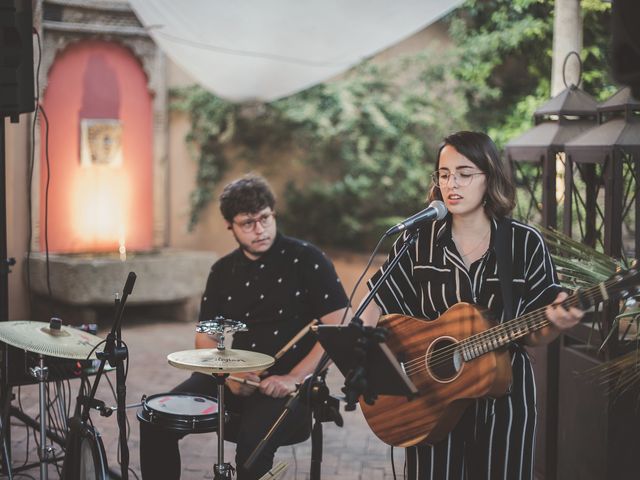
37,337
212,360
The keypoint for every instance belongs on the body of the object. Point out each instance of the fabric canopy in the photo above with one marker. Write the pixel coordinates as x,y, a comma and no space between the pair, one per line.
246,50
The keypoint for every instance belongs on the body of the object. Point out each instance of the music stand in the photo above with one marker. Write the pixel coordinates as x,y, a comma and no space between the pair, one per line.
383,373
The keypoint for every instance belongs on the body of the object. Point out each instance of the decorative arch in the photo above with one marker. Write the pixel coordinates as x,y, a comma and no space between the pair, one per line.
101,137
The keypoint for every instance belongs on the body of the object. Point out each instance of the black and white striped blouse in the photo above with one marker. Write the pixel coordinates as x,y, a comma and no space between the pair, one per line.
432,277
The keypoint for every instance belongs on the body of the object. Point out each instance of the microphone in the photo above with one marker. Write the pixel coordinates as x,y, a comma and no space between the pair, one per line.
128,286
435,211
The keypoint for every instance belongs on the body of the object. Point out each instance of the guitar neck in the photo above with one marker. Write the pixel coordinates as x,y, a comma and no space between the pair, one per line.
512,330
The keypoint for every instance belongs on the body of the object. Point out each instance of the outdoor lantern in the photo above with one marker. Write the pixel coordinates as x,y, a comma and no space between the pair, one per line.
541,149
562,118
602,167
607,156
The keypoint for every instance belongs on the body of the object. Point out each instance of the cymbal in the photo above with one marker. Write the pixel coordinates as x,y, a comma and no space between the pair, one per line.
212,360
37,337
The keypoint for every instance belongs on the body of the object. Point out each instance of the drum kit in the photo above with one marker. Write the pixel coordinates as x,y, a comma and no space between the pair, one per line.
46,340
178,412
220,362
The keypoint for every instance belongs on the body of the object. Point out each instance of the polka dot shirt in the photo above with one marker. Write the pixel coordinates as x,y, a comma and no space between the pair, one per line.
275,295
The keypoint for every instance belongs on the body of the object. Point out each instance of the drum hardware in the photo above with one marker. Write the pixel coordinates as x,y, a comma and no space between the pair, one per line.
218,327
40,373
101,407
220,362
51,339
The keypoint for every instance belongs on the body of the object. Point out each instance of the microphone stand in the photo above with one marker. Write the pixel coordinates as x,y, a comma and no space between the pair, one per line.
355,383
120,354
115,352
327,407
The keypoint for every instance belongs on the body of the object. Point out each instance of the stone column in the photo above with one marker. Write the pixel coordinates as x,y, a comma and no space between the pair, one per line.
567,37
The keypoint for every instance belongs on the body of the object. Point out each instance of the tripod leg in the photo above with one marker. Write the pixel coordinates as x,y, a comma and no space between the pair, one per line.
221,470
316,450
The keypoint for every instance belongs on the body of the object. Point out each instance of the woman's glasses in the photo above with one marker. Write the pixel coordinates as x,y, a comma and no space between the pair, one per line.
266,219
462,178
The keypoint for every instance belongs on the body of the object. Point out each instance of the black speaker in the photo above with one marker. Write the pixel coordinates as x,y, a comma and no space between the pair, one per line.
625,43
16,58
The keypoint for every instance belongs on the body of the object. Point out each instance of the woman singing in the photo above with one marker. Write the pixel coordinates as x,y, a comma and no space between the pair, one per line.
455,260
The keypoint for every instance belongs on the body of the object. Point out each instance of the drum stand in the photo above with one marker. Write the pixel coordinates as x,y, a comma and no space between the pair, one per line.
221,470
41,373
220,362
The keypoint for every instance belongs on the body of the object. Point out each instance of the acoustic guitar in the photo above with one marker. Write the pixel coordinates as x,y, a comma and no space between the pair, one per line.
457,358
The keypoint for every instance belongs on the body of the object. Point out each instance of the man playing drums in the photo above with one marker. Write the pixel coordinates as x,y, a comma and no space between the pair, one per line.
276,285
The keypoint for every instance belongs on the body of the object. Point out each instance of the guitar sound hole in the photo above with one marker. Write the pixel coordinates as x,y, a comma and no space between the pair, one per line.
443,360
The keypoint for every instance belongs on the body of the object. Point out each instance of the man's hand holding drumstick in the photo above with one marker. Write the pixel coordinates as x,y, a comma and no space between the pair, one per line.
276,385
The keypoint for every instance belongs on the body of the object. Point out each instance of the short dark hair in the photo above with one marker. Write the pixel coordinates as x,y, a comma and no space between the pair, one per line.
248,194
480,149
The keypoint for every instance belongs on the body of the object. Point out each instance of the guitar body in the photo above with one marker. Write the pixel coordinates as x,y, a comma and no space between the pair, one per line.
446,383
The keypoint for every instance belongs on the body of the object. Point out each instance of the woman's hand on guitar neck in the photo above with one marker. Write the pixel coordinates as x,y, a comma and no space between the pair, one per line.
561,319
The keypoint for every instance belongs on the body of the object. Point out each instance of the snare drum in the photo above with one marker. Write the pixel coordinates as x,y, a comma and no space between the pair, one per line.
180,412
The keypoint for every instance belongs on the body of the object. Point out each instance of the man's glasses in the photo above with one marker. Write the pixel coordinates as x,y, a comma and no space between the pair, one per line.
463,178
266,220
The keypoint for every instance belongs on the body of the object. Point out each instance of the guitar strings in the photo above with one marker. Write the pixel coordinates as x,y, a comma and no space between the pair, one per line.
444,355
479,340
474,340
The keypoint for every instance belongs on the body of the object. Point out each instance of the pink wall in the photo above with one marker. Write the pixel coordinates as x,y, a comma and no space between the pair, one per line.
95,208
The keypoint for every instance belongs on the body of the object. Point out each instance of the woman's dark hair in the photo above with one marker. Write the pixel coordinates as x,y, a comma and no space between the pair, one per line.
480,149
248,194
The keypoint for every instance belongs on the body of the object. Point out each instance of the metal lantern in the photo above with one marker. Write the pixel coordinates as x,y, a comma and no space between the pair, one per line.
562,118
535,157
607,161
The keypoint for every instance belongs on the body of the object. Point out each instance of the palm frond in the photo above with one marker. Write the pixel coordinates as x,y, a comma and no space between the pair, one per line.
620,375
579,265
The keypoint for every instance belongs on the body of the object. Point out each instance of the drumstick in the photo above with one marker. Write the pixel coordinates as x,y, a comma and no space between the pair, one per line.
293,341
254,384
280,353
275,473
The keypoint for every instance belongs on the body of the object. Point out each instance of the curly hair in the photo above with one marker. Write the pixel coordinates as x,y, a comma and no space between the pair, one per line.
248,194
480,149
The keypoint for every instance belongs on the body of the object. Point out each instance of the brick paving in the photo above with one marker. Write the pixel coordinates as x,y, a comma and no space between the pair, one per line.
351,452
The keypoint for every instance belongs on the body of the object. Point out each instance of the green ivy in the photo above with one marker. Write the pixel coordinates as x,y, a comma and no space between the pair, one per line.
368,139
212,125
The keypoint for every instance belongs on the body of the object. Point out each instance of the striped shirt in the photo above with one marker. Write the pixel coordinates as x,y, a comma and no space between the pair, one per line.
495,438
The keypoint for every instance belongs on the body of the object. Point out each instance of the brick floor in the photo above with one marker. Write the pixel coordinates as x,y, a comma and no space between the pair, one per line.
351,452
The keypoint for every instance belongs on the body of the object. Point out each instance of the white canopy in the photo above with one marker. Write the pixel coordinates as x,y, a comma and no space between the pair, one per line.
263,50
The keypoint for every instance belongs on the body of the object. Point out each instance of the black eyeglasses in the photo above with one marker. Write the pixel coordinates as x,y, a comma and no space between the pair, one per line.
463,178
266,220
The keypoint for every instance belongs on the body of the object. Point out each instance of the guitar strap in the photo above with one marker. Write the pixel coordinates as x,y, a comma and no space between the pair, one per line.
504,260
